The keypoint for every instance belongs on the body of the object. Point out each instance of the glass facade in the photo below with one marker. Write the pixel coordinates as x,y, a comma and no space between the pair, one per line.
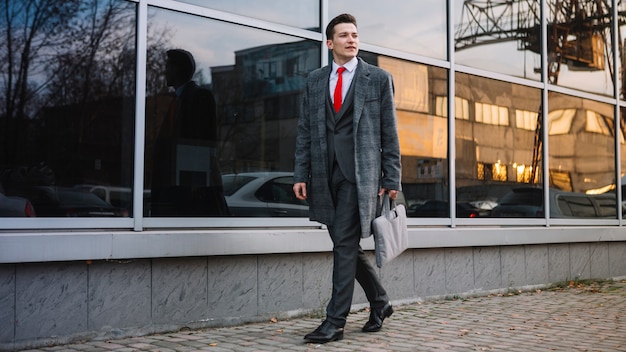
519,121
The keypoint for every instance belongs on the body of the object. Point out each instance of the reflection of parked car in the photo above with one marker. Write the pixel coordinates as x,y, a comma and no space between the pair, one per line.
528,202
440,209
120,197
263,194
52,201
15,207
483,196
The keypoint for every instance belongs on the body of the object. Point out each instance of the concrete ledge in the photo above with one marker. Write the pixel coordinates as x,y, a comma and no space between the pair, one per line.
24,247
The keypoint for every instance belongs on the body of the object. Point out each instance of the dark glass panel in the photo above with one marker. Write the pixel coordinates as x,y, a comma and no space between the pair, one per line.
256,79
67,107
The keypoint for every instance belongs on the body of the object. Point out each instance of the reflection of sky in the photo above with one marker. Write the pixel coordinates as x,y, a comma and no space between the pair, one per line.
416,27
504,58
501,57
393,24
300,13
212,43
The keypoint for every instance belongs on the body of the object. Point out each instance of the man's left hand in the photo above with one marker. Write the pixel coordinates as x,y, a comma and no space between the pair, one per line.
392,193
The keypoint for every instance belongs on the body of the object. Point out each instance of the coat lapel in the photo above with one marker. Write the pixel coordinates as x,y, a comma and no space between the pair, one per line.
361,83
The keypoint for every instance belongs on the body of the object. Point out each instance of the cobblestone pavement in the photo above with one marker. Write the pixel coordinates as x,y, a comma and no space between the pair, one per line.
579,317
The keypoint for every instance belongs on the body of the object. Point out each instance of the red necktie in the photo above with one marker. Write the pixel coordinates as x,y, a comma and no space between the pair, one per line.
337,96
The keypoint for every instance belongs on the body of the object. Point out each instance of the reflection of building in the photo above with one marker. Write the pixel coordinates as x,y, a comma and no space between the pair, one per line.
582,147
495,127
258,102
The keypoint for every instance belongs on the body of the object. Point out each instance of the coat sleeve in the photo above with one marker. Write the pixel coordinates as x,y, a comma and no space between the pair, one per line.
391,162
302,164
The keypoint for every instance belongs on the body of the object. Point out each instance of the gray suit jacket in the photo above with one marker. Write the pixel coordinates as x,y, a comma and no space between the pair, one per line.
377,156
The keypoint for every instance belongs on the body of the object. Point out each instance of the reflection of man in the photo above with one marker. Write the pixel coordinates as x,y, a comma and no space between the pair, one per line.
347,154
186,179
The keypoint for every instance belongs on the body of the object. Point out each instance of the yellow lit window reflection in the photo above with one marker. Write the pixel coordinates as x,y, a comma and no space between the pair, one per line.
522,173
492,172
596,123
560,121
461,107
492,114
526,120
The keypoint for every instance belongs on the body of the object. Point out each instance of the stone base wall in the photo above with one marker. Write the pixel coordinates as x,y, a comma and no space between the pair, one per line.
62,302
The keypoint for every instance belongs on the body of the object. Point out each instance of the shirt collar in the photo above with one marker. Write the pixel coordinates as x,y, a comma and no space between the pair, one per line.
179,90
350,65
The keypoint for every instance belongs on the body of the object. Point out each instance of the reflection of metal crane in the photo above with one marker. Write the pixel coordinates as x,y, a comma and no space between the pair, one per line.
578,35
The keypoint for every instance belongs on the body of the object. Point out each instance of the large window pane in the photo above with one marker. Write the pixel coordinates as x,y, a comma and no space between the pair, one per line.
301,13
582,158
499,36
414,27
497,159
256,78
67,107
579,45
423,133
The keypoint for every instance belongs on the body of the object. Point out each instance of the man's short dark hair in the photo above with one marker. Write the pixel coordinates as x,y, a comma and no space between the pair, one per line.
183,60
343,18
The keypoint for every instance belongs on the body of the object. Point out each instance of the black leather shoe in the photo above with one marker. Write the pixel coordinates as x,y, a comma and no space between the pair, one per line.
375,323
326,332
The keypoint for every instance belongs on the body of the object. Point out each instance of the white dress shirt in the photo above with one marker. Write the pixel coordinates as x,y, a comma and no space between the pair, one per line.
346,79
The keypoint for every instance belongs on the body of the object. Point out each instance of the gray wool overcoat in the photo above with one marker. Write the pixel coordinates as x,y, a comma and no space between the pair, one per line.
376,145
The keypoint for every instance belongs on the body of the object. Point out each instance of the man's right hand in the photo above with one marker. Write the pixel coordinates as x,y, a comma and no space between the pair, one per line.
300,190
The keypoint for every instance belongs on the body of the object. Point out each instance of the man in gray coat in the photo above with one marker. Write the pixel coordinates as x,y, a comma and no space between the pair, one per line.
347,155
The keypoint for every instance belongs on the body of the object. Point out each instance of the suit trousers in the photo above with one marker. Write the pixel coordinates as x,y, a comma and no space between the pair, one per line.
349,260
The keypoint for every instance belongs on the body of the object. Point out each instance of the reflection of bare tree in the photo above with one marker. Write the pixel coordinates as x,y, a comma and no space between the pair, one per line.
96,58
31,30
63,53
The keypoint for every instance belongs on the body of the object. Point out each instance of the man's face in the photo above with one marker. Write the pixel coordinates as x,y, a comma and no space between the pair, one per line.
344,43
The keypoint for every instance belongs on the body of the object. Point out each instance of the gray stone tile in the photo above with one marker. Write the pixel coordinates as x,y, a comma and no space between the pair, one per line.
580,260
232,286
487,268
536,264
119,294
559,262
51,299
459,270
179,290
7,302
429,269
513,266
317,274
280,283
599,262
617,259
